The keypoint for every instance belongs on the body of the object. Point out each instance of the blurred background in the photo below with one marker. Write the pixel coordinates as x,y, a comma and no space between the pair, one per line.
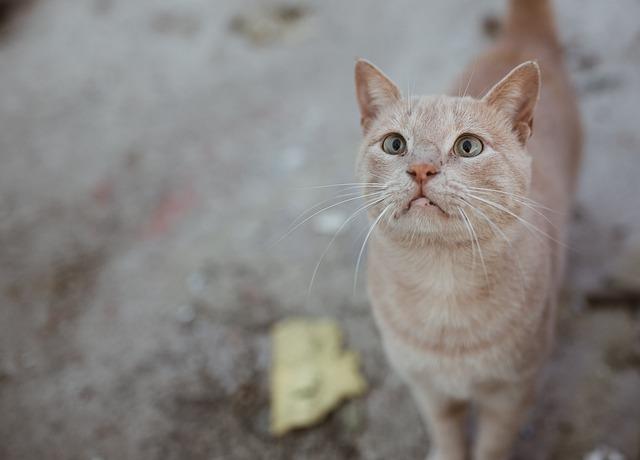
152,151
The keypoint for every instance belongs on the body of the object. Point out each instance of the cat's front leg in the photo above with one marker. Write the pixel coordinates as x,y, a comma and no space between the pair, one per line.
445,419
501,412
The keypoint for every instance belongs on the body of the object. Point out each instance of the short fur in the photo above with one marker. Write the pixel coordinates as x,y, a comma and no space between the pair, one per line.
464,290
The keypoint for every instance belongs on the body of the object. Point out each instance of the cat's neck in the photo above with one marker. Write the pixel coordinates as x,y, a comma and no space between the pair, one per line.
441,267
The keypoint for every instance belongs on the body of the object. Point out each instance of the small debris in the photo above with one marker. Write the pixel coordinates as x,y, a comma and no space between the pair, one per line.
174,23
328,223
28,360
351,418
604,453
622,287
268,25
491,26
9,8
603,83
186,314
625,271
310,373
588,62
196,282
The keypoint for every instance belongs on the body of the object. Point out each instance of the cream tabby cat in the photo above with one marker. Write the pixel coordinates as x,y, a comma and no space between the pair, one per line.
466,258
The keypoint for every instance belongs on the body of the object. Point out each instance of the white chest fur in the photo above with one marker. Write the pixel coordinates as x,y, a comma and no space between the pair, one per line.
455,334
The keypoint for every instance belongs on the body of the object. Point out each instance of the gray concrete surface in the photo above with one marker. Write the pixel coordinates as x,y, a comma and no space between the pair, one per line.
151,151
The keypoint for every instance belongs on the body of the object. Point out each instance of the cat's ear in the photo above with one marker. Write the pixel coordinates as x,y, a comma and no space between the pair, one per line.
374,91
516,95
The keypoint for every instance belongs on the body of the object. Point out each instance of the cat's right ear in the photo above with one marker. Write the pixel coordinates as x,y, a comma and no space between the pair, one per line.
516,95
374,91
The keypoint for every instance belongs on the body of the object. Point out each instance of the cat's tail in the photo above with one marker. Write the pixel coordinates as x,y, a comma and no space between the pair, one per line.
530,21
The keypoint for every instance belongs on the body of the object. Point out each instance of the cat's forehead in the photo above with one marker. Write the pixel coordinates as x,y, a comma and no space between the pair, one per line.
436,118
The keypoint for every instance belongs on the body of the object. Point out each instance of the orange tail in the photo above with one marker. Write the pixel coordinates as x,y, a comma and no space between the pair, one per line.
529,20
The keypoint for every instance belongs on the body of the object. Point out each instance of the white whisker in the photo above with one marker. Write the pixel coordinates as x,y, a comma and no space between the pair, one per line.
516,196
321,203
364,243
475,237
473,71
354,184
526,205
524,222
464,93
382,178
325,209
335,235
473,247
499,232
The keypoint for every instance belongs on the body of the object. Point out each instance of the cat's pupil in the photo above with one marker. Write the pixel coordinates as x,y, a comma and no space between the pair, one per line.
397,143
466,146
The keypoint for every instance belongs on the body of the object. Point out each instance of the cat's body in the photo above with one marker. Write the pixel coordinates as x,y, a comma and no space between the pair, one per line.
465,262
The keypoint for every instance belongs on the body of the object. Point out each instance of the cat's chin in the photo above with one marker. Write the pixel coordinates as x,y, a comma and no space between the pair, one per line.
419,216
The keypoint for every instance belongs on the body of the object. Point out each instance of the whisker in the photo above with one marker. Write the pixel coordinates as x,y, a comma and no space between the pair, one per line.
366,238
379,177
528,206
409,98
473,247
335,235
514,195
499,232
459,92
325,209
363,188
473,71
524,222
321,203
475,237
413,87
460,98
354,184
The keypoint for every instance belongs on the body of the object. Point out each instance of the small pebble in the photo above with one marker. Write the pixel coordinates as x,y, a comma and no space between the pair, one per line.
292,158
351,418
28,360
186,314
604,453
491,25
196,282
328,223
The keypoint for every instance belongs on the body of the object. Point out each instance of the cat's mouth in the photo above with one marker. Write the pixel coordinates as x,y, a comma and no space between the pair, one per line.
424,203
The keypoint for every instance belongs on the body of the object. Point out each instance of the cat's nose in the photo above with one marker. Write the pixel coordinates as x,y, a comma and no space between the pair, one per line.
421,172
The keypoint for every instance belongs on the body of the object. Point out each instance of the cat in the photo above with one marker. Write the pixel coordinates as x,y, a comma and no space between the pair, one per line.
469,210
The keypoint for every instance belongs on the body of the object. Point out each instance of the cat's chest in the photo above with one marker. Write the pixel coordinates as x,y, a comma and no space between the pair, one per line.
453,358
458,375
456,334
437,315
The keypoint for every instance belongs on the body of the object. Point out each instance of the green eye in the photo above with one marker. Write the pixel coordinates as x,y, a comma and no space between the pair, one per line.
468,145
394,144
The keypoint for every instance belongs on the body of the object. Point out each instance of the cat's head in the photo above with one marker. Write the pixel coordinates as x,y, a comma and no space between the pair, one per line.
438,161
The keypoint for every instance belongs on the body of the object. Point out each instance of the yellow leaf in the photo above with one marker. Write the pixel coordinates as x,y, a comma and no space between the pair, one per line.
310,373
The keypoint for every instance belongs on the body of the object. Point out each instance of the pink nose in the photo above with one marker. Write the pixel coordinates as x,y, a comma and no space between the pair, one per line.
421,172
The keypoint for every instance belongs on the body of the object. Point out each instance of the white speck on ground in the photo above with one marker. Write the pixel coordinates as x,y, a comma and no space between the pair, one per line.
604,453
327,223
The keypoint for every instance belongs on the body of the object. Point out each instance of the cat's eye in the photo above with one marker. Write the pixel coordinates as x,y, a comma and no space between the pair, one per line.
394,144
468,145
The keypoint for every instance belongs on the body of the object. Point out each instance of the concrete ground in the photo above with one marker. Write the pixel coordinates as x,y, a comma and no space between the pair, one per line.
152,150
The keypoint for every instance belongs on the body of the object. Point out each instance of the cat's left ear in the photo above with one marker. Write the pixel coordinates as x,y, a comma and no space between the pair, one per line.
516,95
374,91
